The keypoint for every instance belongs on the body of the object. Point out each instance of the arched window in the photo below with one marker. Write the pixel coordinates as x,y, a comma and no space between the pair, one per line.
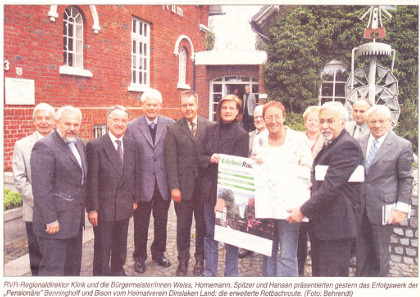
333,82
182,79
73,37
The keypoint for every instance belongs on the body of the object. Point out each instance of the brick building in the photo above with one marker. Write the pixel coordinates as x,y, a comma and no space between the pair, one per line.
93,56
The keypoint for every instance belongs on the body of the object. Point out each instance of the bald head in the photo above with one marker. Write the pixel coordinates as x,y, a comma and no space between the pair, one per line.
360,107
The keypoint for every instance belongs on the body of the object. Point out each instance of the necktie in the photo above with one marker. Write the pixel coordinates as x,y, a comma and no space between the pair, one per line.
371,155
193,128
152,129
119,151
75,152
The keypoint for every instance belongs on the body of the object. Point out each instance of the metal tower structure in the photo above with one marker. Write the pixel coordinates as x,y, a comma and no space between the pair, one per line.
374,81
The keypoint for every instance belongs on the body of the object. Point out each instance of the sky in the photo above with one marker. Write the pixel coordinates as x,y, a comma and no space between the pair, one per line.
233,29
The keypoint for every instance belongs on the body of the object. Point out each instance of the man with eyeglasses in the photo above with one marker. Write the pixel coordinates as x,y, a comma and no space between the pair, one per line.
388,184
331,208
112,181
358,127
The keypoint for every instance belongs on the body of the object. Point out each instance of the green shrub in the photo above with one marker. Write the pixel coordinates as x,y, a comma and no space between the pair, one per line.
295,121
11,199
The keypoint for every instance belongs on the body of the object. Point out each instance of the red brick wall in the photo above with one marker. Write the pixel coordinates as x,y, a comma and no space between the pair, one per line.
34,43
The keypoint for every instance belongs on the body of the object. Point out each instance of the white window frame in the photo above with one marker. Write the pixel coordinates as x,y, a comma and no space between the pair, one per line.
223,81
182,73
73,43
140,55
331,69
99,130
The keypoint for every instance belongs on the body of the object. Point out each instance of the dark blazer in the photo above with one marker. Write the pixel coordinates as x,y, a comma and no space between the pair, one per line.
180,153
152,156
331,208
389,178
236,142
111,188
59,194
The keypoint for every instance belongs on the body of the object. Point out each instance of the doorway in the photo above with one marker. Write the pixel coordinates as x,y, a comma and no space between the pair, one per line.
227,84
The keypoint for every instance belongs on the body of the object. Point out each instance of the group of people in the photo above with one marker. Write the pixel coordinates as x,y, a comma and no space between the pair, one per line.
139,166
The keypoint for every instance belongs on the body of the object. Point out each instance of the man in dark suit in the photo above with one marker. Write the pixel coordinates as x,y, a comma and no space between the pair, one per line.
181,145
388,182
44,123
112,181
149,132
331,208
58,164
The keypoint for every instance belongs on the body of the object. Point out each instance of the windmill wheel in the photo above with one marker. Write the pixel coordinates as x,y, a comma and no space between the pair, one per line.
386,90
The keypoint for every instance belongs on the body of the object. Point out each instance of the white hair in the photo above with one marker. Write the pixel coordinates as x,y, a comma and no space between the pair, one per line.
44,107
60,111
336,106
151,94
380,108
258,110
117,107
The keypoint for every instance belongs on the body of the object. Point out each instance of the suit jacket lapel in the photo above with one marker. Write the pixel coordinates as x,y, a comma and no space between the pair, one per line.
144,128
32,139
65,148
112,154
127,150
363,144
200,128
384,148
186,129
81,149
159,130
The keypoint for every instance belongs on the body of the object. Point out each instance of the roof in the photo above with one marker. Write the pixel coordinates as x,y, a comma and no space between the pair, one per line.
230,57
260,22
215,10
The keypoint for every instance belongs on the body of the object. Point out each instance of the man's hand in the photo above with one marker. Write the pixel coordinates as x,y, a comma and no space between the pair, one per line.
220,205
215,158
295,216
93,218
396,217
135,206
176,195
53,228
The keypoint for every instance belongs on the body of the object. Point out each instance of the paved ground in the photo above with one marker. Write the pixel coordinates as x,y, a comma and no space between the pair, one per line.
250,266
17,262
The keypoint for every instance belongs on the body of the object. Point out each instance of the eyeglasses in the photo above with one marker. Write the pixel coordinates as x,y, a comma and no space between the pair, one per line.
328,121
270,118
373,122
119,121
312,121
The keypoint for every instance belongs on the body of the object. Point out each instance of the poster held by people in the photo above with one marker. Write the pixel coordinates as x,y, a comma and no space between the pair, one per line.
235,208
277,189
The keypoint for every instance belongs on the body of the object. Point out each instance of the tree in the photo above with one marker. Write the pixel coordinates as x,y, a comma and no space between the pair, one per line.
210,40
301,42
402,35
304,38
